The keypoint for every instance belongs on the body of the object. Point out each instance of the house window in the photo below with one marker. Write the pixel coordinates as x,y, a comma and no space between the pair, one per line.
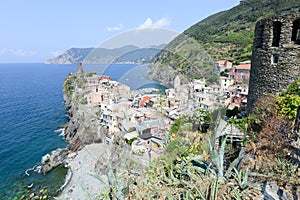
276,33
296,31
275,59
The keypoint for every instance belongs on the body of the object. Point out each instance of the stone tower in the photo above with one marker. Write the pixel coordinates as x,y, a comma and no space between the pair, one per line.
275,56
79,68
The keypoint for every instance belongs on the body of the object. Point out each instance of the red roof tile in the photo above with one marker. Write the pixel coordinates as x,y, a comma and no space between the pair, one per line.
244,66
144,100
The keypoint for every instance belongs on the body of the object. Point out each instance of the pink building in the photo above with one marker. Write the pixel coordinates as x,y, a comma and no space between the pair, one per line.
242,73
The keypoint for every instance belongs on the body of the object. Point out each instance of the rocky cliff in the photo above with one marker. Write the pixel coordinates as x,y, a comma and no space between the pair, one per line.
82,128
91,163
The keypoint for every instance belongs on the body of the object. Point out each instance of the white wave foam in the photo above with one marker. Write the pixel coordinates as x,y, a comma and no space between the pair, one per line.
67,180
45,157
60,132
31,169
38,169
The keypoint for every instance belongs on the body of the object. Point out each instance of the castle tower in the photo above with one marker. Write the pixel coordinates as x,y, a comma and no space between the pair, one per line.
275,57
79,68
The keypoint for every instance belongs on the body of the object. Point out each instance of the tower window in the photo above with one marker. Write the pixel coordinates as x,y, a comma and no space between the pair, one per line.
275,59
296,31
276,33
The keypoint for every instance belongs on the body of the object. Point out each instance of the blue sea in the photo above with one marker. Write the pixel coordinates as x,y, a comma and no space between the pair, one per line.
31,114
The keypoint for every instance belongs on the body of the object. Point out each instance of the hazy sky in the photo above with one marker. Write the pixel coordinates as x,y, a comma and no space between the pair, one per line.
34,30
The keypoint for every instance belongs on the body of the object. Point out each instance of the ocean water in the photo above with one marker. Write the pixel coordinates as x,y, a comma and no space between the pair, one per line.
31,114
133,75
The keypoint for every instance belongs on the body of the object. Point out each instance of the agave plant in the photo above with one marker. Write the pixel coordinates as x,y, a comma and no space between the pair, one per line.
217,158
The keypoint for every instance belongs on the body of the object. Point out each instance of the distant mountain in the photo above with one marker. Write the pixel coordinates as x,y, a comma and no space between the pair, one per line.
144,55
126,54
227,35
71,56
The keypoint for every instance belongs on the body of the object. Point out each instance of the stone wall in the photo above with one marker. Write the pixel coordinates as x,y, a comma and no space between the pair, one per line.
275,57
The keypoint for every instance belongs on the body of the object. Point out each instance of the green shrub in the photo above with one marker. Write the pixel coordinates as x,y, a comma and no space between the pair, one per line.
288,101
83,101
287,105
131,140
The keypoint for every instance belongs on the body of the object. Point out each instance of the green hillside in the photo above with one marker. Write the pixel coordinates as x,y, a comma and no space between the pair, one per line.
229,34
226,35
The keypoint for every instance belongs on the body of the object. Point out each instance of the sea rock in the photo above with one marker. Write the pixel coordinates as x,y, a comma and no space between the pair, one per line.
54,159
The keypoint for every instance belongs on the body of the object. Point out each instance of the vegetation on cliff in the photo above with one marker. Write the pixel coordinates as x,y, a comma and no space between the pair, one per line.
68,87
72,83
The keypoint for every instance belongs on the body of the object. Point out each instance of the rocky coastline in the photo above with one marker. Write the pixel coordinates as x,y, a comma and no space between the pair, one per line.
87,156
80,130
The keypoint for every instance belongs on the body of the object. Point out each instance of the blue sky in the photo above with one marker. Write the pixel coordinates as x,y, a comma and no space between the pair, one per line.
34,30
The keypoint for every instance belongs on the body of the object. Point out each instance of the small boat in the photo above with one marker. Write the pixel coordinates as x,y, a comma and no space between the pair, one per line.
30,186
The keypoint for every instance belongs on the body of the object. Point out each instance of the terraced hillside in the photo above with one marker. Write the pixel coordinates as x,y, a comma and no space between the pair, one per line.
226,35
